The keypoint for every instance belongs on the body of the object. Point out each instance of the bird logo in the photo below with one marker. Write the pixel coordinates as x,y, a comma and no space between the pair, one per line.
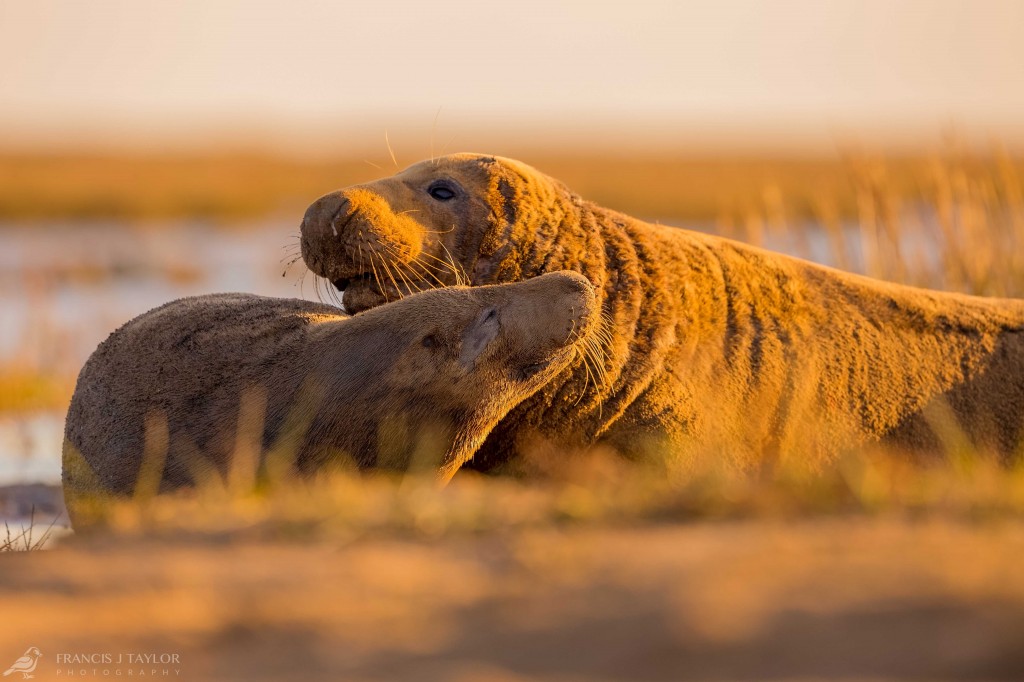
26,664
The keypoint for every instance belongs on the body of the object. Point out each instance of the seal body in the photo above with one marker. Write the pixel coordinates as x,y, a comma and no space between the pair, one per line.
191,388
713,348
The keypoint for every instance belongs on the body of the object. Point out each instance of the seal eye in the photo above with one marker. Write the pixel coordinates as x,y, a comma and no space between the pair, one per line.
530,370
441,191
429,341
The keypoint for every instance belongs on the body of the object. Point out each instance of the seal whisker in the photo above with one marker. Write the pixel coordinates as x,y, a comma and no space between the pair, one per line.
431,269
316,287
403,270
397,264
329,290
427,271
581,361
391,276
440,264
376,275
324,287
601,381
336,296
418,272
603,330
289,264
451,229
587,377
408,276
445,146
408,279
595,352
446,264
462,280
382,283
390,150
433,129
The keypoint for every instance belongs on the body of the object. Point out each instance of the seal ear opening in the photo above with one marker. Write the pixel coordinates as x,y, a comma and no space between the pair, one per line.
478,336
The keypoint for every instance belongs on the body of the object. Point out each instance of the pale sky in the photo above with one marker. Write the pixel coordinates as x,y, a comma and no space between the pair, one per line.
102,71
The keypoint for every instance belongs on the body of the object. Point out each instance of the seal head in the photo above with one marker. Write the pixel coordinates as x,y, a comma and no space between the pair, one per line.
437,223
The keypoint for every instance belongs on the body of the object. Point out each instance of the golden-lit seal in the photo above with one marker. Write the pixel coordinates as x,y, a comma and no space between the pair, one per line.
709,341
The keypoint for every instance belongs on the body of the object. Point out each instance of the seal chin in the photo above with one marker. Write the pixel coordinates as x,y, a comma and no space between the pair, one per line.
362,294
364,291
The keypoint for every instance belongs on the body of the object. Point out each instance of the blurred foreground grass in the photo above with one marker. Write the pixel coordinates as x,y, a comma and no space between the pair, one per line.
871,570
582,490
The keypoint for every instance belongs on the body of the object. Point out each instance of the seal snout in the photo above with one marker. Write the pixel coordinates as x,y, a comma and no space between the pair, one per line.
577,295
364,246
321,215
576,286
322,228
564,308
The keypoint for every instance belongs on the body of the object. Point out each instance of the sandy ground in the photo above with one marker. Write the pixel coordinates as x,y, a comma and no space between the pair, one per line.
854,599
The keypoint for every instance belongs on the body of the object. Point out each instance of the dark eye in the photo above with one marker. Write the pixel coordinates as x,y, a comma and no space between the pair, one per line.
441,191
429,341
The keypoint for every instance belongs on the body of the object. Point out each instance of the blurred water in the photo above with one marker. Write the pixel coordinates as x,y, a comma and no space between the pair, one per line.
65,287
84,279
30,447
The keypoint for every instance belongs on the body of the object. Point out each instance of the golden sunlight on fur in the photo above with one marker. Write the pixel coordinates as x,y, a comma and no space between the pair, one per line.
709,341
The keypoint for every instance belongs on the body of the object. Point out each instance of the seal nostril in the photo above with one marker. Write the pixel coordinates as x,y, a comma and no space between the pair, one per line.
321,215
337,212
341,284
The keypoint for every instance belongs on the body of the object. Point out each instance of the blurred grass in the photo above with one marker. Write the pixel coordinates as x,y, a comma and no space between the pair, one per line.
237,187
24,390
30,537
124,187
595,490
